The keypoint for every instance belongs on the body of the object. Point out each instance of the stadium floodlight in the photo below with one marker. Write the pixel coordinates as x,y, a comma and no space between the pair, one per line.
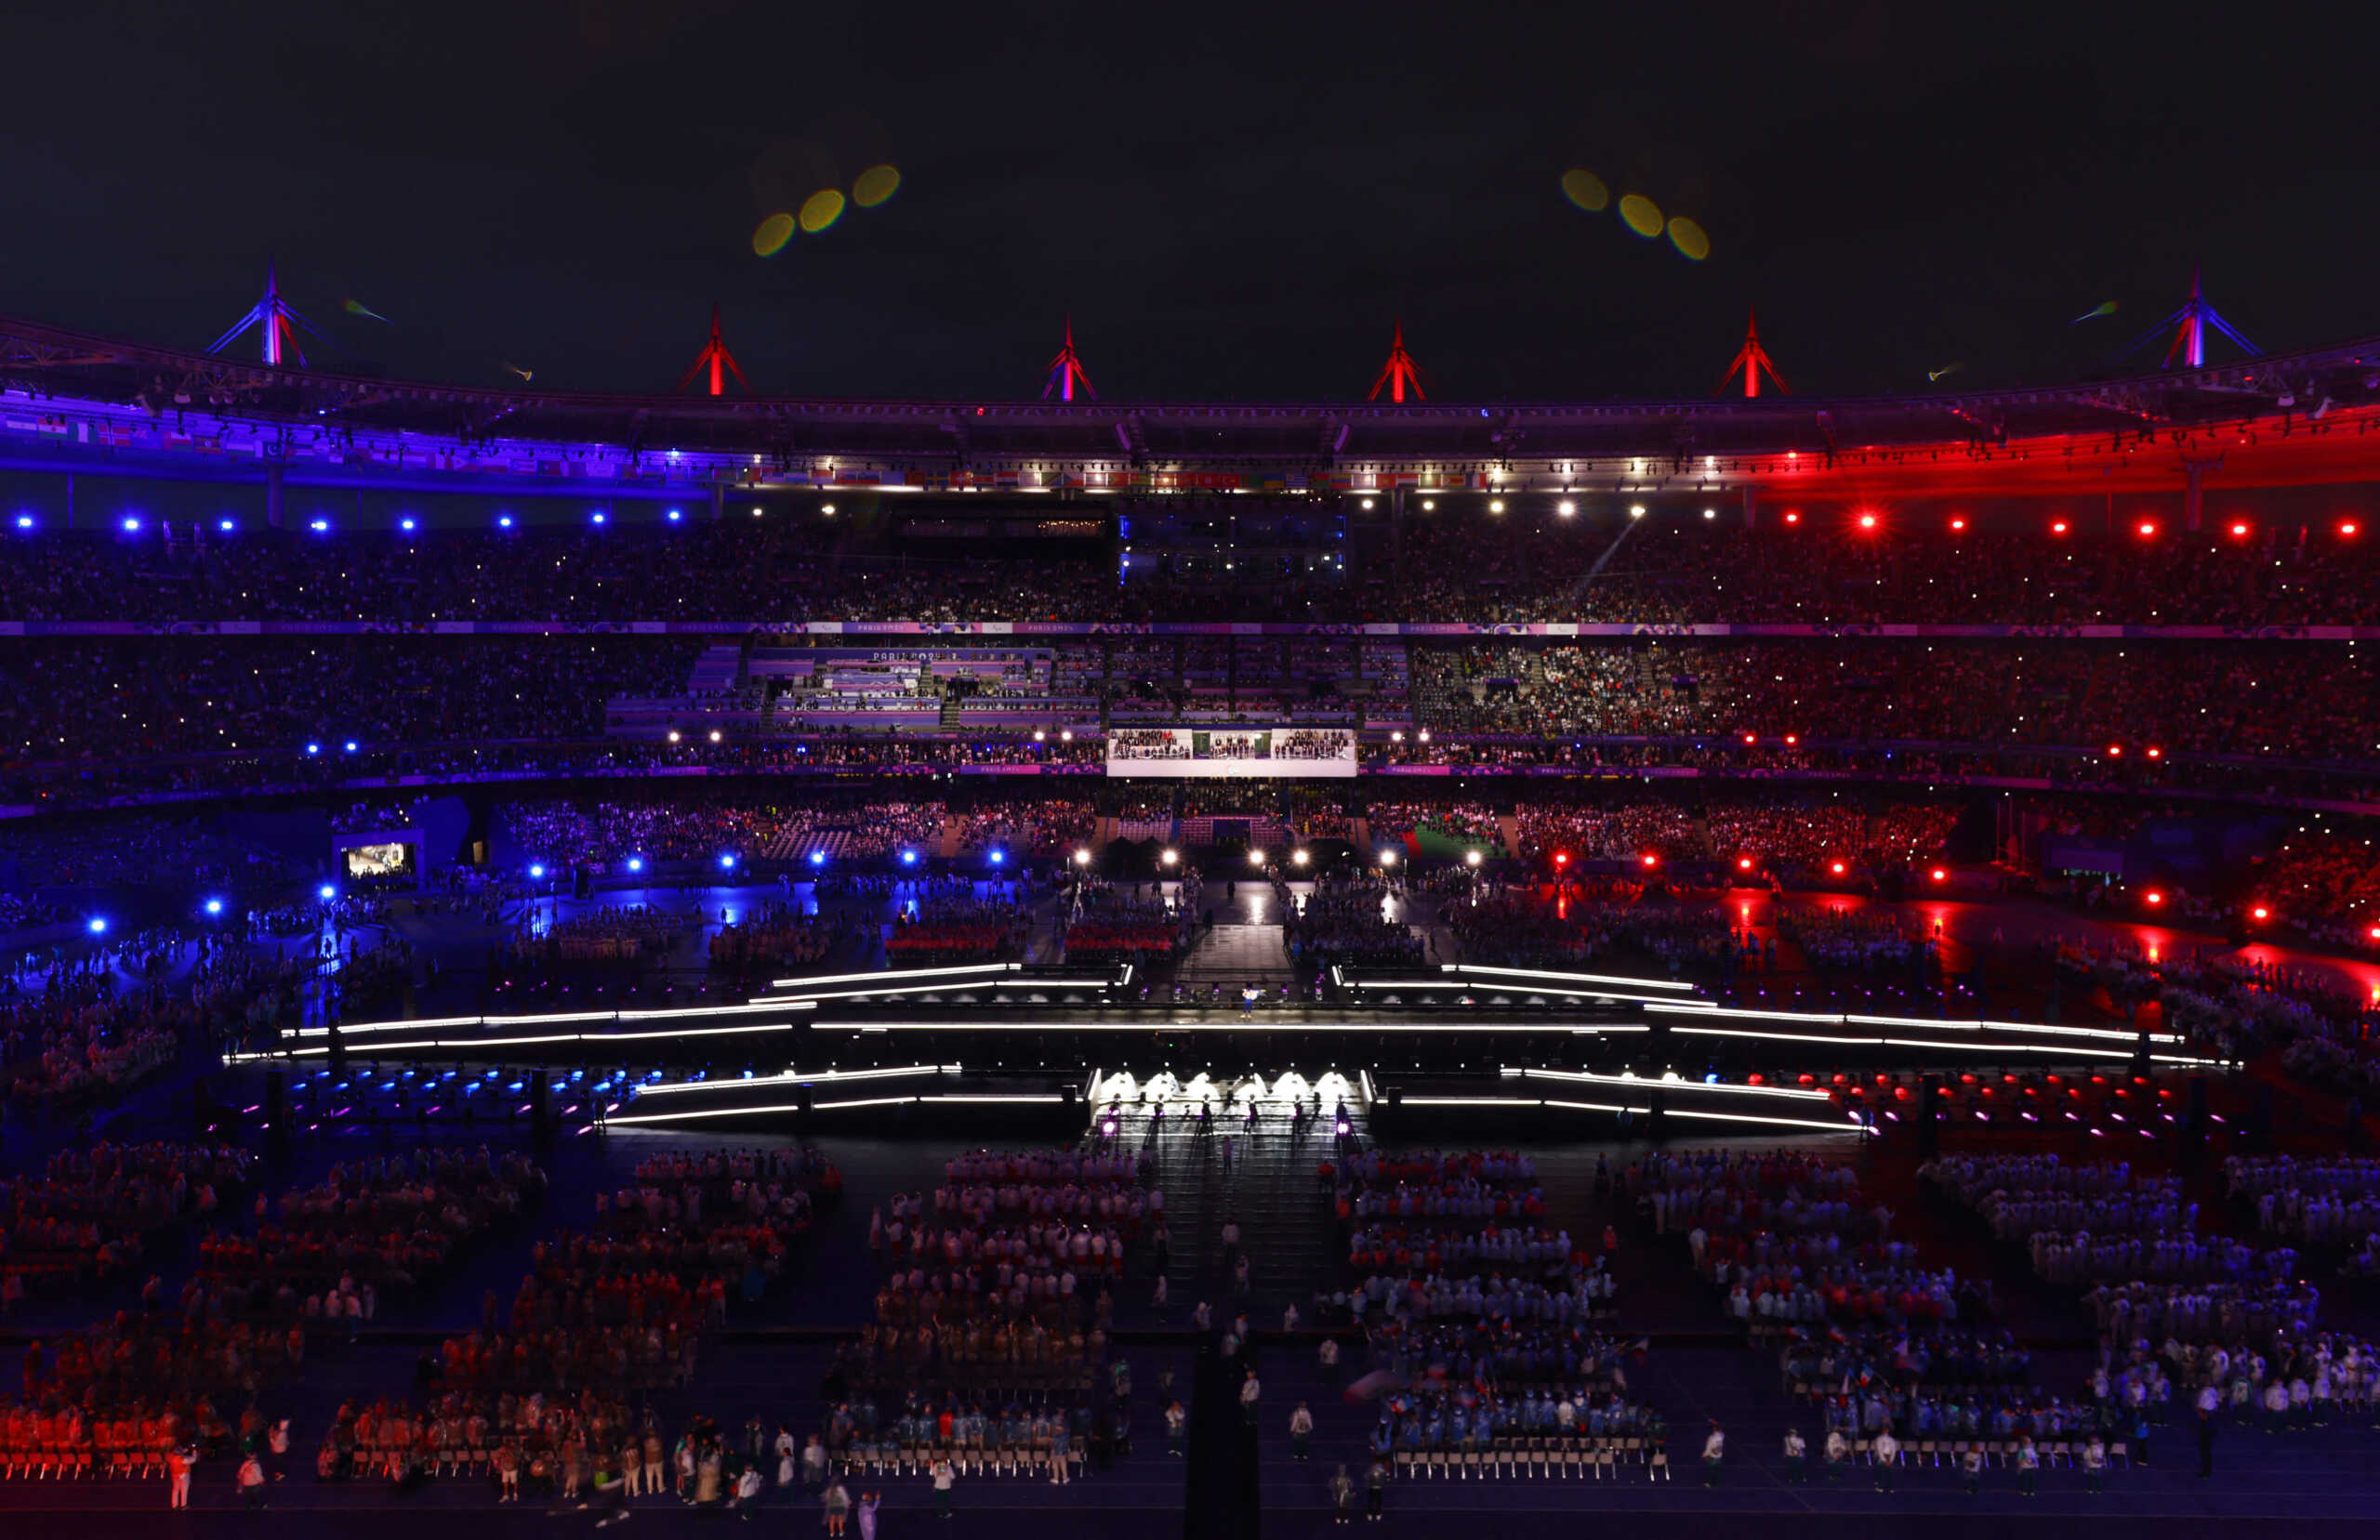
1298,857
1397,736
1710,513
827,509
1082,857
714,735
1636,510
1170,855
1367,504
1066,735
1429,504
1565,507
1388,857
1495,505
1040,736
675,736
1424,735
1470,858
1256,858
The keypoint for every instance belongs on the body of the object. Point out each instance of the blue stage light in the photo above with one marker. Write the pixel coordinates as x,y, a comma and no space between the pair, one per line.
1000,858
313,748
24,521
132,526
225,525
321,526
909,858
327,892
97,926
598,519
727,863
674,516
504,521
636,863
537,873
214,906
817,857
405,524
350,745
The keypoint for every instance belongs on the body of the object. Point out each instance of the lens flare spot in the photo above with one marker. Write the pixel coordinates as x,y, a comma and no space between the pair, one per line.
1641,215
772,234
876,185
820,210
1687,237
1586,190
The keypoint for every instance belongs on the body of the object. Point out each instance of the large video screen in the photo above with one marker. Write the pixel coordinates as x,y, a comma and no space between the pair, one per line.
391,862
1232,754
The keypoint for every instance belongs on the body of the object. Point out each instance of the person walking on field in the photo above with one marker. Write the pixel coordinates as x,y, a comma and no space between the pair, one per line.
177,1464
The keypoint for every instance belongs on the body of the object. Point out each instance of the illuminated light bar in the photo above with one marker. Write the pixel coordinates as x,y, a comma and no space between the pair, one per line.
1222,1027
1043,1097
1671,1008
1590,1106
1589,1078
1771,1036
1773,1122
794,1077
429,1023
695,1114
1575,977
750,1007
810,1001
546,1019
1537,988
442,1043
1472,1102
896,973
1930,1024
261,1057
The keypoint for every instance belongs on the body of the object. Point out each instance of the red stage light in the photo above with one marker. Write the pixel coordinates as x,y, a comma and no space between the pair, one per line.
1751,737
1743,864
1792,738
1561,858
2156,753
1940,875
1958,523
1867,520
1837,868
2146,529
2058,528
2347,530
2260,912
2239,530
2115,751
1792,519
1652,860
2154,897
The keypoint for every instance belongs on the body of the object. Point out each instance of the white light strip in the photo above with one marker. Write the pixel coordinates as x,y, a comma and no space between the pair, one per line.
894,973
1577,978
750,1007
1470,1102
548,1019
1043,1097
1590,1106
770,1001
1535,989
793,1077
1729,1088
1770,1036
1253,1025
1775,1122
696,1114
1926,1022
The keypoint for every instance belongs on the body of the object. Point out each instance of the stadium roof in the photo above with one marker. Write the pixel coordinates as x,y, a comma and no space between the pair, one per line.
48,360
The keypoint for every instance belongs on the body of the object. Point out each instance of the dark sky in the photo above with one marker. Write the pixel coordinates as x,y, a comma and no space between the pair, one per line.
1233,203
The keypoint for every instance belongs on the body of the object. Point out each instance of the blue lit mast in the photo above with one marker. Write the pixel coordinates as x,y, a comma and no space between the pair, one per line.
1066,370
2189,327
280,323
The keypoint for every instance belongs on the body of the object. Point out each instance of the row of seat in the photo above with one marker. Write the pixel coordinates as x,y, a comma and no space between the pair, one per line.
967,1459
1566,1459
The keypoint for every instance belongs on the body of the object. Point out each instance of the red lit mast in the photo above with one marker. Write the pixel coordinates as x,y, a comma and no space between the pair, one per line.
1754,362
1399,374
1066,371
714,357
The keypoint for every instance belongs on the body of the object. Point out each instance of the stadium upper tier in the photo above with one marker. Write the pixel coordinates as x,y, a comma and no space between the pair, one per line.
2284,419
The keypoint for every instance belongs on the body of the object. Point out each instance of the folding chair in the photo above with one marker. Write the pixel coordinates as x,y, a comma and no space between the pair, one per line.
1661,1466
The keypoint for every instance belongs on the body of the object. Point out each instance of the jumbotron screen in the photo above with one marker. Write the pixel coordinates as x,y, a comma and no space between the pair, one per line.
1230,754
368,862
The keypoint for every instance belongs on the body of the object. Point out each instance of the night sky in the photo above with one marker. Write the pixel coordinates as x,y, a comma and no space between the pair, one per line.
1232,202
